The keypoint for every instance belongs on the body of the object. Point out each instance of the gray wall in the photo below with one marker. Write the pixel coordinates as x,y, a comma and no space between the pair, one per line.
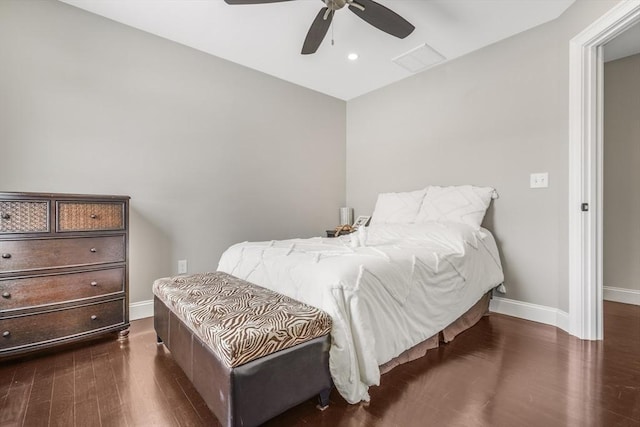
622,173
211,153
489,118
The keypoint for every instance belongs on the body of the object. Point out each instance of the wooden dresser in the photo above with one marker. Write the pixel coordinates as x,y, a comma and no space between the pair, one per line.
63,269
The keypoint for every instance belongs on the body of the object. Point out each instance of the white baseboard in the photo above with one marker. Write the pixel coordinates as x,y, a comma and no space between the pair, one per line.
141,309
528,311
623,295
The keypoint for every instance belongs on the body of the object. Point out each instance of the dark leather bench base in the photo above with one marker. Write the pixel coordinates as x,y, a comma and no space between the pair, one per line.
250,394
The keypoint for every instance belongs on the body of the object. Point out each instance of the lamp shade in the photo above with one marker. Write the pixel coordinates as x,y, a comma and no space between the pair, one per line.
346,216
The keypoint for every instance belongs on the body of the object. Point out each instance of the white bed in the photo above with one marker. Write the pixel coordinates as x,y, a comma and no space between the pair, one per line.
407,284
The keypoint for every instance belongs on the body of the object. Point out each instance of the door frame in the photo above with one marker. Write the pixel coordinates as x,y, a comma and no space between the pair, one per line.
586,72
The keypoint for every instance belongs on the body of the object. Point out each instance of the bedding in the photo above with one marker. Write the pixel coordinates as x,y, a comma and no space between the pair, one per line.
408,283
462,203
399,208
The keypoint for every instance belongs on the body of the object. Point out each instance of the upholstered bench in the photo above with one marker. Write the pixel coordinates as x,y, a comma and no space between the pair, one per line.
250,352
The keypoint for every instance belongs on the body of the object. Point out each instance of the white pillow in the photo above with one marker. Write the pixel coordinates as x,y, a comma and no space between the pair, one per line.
463,203
397,208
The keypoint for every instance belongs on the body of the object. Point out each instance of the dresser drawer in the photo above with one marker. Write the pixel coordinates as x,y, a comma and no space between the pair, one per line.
35,254
24,216
42,327
82,216
35,291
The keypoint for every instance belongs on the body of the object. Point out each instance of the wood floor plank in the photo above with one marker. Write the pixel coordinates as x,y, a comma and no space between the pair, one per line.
84,376
87,412
175,396
110,404
206,416
144,401
39,406
7,372
62,402
16,401
38,415
184,411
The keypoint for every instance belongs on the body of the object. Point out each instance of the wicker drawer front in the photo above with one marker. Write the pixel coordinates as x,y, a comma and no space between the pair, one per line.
35,291
77,216
35,254
24,217
35,328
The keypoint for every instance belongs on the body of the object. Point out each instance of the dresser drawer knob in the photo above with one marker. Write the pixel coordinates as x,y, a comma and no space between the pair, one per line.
94,317
6,256
5,216
6,295
94,283
93,216
6,334
94,250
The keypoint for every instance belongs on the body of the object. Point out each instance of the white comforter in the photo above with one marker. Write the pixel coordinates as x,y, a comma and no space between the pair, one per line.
405,285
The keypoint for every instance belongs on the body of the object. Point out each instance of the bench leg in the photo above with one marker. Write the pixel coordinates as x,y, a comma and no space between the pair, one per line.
323,399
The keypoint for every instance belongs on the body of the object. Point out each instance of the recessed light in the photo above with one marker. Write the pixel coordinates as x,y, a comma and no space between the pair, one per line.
352,56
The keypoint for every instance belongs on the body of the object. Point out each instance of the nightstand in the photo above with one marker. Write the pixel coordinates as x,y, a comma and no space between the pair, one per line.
332,233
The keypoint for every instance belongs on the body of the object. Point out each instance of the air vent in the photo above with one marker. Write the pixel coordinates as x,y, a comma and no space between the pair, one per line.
419,58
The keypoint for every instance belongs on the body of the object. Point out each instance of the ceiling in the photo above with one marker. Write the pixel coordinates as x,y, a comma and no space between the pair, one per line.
268,37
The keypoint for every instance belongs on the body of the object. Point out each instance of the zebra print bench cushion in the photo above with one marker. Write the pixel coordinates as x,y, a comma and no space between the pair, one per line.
240,321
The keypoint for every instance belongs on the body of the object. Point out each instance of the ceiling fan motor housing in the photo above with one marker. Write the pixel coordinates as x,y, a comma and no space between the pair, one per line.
335,4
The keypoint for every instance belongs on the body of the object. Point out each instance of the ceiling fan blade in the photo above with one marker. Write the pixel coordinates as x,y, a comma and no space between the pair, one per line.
317,31
382,18
252,1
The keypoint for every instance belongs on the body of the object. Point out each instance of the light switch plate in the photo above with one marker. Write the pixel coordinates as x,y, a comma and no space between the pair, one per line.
182,266
539,180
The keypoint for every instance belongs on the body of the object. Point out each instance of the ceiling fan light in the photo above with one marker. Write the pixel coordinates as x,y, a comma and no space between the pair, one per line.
352,56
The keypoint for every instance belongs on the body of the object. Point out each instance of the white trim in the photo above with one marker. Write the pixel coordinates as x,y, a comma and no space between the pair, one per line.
141,309
534,312
585,167
623,295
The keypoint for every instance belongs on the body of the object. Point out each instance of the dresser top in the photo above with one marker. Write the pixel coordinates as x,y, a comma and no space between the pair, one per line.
20,195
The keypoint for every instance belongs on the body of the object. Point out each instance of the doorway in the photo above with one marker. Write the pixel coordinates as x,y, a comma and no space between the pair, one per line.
586,168
621,157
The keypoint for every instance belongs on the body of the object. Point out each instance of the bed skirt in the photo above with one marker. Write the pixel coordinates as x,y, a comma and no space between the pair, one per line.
461,324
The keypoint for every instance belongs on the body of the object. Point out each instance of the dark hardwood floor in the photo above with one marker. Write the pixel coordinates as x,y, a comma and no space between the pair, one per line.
502,372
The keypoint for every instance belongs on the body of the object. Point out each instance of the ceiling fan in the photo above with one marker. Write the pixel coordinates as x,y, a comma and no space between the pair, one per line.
374,13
